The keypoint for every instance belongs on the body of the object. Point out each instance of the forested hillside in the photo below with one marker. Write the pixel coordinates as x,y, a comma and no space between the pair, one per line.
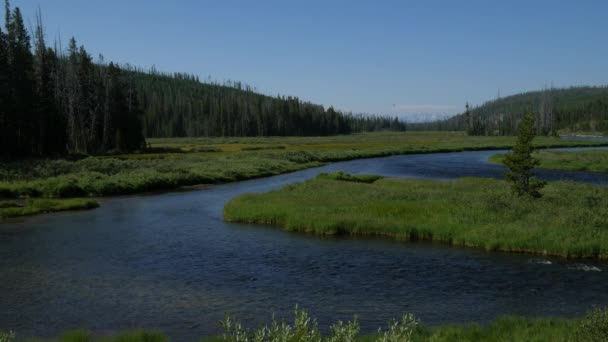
576,109
55,101
177,105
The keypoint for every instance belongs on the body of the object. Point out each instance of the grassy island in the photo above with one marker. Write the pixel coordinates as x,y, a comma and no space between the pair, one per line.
570,220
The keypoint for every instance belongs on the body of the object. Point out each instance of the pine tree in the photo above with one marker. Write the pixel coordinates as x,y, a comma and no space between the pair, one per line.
4,95
521,162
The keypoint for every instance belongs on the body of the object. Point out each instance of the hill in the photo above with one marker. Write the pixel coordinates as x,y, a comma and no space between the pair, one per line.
564,110
179,105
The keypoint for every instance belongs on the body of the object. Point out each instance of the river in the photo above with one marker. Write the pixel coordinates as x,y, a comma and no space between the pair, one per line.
168,262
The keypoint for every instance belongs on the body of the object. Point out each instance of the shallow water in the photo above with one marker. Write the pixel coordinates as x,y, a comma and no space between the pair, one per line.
169,262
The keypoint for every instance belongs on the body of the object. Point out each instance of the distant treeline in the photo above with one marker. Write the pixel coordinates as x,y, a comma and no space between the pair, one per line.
176,105
55,101
572,109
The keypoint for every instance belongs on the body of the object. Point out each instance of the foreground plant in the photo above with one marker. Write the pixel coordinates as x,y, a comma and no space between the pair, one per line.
305,329
399,331
7,337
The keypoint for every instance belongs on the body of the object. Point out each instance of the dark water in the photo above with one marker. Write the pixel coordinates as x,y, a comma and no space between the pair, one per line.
168,262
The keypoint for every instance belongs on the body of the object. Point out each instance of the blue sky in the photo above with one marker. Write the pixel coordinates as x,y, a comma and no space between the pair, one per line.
387,57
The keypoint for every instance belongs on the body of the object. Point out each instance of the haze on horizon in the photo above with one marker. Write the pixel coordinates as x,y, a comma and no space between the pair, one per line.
415,59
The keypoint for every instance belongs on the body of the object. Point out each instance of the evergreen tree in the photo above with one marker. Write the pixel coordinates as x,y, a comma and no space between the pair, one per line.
521,162
4,95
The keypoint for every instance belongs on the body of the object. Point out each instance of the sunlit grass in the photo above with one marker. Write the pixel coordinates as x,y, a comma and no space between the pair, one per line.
594,161
571,220
174,162
44,205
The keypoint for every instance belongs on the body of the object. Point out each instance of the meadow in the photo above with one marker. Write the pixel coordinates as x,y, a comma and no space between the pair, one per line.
174,162
570,220
591,327
592,161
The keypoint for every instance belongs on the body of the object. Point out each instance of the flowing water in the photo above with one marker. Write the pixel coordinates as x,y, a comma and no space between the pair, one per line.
169,262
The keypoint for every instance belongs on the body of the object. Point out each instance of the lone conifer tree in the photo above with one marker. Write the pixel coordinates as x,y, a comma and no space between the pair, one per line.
521,162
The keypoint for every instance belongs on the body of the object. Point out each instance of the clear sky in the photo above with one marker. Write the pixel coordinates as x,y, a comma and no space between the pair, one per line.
388,57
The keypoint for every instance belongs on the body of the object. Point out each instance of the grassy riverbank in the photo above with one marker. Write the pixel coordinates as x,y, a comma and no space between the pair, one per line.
28,207
570,220
592,327
594,161
175,162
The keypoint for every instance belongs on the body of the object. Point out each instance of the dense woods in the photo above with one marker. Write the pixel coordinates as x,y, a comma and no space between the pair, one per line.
571,109
176,105
55,101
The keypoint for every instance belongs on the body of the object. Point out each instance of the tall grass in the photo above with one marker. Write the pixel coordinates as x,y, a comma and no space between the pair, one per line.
304,328
571,220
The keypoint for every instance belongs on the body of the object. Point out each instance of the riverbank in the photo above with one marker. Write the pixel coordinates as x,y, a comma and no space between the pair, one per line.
10,209
177,162
591,161
568,221
592,327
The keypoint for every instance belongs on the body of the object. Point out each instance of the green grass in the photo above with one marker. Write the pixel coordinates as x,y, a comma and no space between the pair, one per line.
176,162
570,220
505,329
87,336
343,176
593,161
592,327
43,205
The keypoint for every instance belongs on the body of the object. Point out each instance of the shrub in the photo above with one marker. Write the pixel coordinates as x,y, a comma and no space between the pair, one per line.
594,327
343,176
7,337
399,331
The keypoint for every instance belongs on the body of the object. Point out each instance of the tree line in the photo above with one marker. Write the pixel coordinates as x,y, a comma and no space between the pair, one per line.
176,105
57,101
573,109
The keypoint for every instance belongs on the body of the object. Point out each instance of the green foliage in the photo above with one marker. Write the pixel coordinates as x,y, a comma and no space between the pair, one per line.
7,337
344,332
521,162
593,327
305,329
569,220
505,329
175,162
129,336
399,330
343,176
42,205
